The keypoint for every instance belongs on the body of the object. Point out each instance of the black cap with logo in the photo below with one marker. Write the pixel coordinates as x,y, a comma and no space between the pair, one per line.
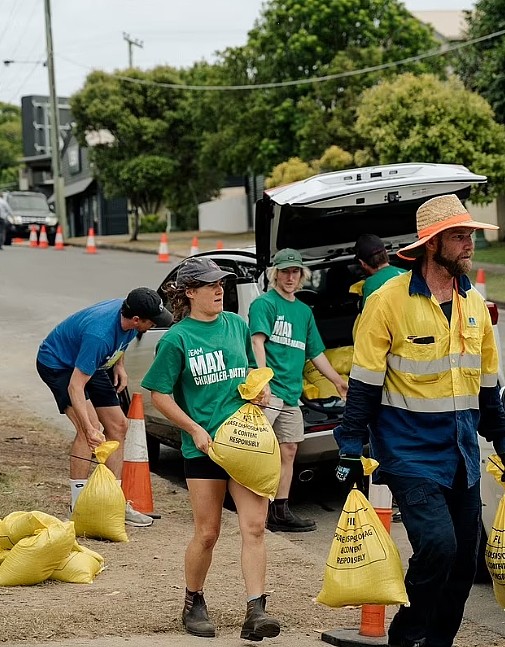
147,304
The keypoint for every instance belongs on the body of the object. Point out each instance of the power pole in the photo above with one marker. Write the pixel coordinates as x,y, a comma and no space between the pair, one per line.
131,42
59,195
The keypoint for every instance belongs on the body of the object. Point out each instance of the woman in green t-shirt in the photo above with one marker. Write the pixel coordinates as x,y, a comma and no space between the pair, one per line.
193,380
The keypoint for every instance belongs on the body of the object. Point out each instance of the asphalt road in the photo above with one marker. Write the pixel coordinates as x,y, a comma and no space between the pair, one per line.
38,288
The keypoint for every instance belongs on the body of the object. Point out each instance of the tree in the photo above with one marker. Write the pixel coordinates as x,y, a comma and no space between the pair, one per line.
153,156
481,65
334,158
11,148
293,40
429,120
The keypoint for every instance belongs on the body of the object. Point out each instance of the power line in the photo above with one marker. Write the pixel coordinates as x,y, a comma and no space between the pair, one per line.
441,51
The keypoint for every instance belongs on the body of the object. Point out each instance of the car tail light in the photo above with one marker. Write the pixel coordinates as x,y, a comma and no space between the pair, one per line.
311,430
493,311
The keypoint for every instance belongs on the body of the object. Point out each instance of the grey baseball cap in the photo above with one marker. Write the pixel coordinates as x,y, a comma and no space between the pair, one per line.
200,268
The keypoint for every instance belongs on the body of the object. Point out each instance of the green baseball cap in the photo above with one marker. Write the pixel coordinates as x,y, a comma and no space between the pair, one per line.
288,258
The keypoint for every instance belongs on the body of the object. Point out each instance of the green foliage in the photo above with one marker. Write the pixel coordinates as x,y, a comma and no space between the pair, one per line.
11,147
256,130
334,158
154,156
481,65
152,223
424,118
291,171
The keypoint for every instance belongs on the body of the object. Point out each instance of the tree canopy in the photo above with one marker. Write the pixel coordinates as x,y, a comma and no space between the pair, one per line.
11,147
423,118
292,41
482,65
154,153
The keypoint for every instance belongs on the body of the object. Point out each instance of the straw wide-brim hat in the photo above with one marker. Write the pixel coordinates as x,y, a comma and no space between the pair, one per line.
436,215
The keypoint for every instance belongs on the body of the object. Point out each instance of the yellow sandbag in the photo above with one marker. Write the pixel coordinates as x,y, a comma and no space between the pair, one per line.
495,547
254,383
100,508
80,567
364,565
33,559
3,554
17,525
315,385
245,446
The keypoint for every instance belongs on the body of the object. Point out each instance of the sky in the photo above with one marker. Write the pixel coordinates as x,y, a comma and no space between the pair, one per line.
89,34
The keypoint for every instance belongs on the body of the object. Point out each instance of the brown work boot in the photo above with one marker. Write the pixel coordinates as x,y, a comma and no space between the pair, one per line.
258,624
281,519
195,617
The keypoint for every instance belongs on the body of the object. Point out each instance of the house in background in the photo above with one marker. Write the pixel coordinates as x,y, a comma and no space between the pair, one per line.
86,204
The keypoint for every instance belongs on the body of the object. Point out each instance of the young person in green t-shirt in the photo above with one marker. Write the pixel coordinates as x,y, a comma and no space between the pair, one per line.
194,382
284,337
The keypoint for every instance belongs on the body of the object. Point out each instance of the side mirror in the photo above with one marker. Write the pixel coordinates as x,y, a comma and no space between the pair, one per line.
52,208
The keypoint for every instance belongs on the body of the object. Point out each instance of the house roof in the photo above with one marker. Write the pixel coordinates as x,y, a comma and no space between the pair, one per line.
449,25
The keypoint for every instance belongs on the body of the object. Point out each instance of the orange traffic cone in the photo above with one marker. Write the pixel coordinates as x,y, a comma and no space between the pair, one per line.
480,282
136,476
219,244
58,240
194,246
163,255
43,242
34,241
90,242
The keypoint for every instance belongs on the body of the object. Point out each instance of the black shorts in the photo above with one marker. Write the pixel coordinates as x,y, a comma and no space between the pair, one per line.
204,467
99,389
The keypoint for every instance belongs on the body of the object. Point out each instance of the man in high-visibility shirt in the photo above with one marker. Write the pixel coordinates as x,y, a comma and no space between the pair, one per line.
424,382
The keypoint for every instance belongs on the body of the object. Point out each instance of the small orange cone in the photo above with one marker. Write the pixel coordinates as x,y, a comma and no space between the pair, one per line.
58,240
34,241
43,242
480,282
136,476
194,246
219,244
90,242
163,255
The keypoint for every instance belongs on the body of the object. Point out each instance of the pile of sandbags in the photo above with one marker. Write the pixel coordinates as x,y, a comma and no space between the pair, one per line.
35,546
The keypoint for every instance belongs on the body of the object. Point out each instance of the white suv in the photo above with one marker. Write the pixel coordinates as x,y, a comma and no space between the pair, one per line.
322,218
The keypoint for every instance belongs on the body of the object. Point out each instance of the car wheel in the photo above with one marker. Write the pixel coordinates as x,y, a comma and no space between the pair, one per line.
482,575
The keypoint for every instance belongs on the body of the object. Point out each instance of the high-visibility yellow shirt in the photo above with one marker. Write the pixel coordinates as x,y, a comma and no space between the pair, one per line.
431,372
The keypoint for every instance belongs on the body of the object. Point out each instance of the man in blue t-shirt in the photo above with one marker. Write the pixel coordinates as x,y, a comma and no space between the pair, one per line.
75,361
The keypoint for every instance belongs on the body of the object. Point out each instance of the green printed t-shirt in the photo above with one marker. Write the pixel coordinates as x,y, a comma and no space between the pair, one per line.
292,338
378,279
201,363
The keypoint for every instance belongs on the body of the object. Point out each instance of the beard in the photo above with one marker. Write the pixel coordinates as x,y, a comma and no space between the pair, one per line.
456,267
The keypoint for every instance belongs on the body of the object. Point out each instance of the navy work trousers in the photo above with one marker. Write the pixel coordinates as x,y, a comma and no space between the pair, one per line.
443,526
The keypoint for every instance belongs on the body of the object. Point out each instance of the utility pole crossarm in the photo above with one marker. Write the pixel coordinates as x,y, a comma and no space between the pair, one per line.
131,42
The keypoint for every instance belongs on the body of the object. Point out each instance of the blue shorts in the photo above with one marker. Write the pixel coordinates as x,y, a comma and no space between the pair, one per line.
99,389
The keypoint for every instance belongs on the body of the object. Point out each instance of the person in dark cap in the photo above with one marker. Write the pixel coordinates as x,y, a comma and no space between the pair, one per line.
76,360
373,258
194,379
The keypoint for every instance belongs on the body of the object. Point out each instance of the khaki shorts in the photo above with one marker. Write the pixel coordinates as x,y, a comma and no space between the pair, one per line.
287,423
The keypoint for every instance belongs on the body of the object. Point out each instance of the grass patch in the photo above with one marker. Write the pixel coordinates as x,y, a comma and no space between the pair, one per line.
495,253
495,285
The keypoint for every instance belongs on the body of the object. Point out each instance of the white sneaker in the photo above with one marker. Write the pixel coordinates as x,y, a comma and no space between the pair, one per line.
134,518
